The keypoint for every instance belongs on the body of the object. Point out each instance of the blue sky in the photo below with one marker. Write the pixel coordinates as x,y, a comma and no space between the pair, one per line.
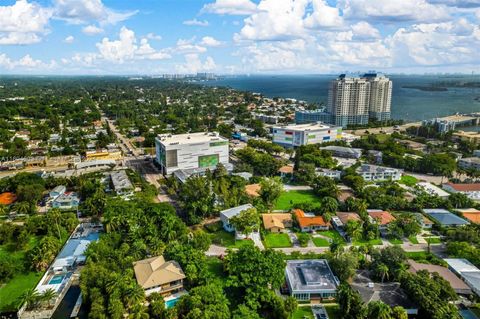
238,36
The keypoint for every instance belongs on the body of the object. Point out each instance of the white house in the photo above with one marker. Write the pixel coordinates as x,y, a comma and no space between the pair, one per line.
379,173
227,214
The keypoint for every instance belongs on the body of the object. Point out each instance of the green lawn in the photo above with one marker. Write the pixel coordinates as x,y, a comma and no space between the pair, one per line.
395,241
408,180
302,312
12,290
363,242
320,242
433,240
333,311
287,200
425,258
333,234
226,239
413,239
215,266
281,240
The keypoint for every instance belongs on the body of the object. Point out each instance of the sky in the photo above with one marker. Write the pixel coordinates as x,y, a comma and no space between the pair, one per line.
151,37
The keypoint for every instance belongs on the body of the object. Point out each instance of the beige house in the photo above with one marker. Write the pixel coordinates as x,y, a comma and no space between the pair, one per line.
277,223
157,275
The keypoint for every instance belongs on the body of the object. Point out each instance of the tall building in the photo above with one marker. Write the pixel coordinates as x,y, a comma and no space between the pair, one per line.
194,151
380,96
348,100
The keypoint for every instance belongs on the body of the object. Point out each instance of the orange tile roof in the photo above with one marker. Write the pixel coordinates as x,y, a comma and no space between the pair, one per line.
471,214
306,221
383,217
7,198
465,187
253,190
276,220
287,169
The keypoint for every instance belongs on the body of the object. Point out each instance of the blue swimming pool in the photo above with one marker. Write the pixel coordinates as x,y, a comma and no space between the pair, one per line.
170,303
57,279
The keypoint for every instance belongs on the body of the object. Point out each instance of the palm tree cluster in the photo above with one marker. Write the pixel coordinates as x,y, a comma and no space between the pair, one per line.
34,300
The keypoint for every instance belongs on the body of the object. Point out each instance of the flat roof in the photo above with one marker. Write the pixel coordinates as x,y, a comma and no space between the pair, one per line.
310,275
307,127
190,138
444,217
433,189
370,168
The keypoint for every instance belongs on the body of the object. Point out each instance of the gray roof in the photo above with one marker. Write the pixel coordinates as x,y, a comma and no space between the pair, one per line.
234,211
184,174
444,217
120,181
310,275
355,152
368,168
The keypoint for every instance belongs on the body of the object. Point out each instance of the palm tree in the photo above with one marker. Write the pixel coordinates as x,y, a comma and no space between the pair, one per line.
48,295
382,271
139,311
3,210
22,208
134,295
329,205
30,298
379,310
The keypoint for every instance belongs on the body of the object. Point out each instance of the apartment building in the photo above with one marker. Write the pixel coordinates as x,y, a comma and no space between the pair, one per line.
303,134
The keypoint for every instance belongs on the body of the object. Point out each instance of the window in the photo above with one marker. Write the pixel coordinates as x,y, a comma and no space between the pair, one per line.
171,158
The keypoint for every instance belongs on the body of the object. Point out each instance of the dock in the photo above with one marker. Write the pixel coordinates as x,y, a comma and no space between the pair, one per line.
77,306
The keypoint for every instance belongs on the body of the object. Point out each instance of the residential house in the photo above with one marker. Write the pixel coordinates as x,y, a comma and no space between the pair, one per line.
445,218
157,275
66,201
381,217
310,222
334,174
469,163
253,190
376,173
433,190
277,222
121,183
424,222
57,191
471,190
227,214
471,214
469,273
341,219
345,152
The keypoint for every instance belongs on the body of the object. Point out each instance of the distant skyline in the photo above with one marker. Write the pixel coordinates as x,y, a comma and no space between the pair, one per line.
151,37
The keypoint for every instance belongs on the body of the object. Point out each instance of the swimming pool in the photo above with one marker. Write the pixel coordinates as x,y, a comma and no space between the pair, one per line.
170,303
57,279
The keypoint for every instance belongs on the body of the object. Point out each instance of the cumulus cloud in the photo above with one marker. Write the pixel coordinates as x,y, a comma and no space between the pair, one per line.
324,16
23,23
69,39
188,46
194,64
458,3
153,36
92,30
230,7
210,42
86,11
195,22
24,63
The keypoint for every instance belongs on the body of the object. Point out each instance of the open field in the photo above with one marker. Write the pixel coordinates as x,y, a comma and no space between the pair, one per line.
287,200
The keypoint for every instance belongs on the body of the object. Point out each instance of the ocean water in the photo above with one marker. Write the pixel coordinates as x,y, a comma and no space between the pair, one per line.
407,104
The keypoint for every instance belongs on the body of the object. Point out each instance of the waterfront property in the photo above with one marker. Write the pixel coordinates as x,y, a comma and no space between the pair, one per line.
303,134
157,275
389,293
445,218
309,222
190,151
227,214
311,280
469,273
471,190
457,284
277,222
376,173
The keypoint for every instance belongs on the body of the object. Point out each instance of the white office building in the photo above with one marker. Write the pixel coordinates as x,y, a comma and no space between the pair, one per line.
376,173
303,134
194,151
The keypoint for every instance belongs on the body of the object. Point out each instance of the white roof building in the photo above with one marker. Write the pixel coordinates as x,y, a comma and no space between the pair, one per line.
303,134
467,271
431,189
227,214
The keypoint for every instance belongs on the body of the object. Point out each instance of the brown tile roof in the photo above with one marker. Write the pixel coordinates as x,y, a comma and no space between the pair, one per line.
346,216
445,273
276,220
7,198
306,221
383,217
156,271
471,214
253,190
465,187
287,169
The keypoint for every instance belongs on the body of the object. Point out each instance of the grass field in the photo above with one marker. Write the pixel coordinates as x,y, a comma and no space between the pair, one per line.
363,242
277,240
333,234
302,312
226,239
408,180
320,242
425,258
433,240
10,292
395,241
215,266
333,311
287,200
413,239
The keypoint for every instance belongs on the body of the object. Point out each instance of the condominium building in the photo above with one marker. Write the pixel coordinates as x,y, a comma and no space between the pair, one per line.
379,173
303,134
194,151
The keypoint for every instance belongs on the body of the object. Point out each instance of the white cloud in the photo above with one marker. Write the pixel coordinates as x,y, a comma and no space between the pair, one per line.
365,31
92,30
125,48
25,63
324,16
210,42
23,23
153,36
393,11
195,22
194,64
188,46
69,39
86,11
458,3
230,7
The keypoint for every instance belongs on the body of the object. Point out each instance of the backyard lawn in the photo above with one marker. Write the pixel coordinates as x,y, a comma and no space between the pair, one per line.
333,311
287,200
408,180
215,266
320,242
303,312
433,240
363,242
281,240
413,239
333,234
226,239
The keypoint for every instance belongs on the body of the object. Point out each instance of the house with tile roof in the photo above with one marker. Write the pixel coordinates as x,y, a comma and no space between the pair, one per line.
471,214
383,218
277,222
157,275
310,222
